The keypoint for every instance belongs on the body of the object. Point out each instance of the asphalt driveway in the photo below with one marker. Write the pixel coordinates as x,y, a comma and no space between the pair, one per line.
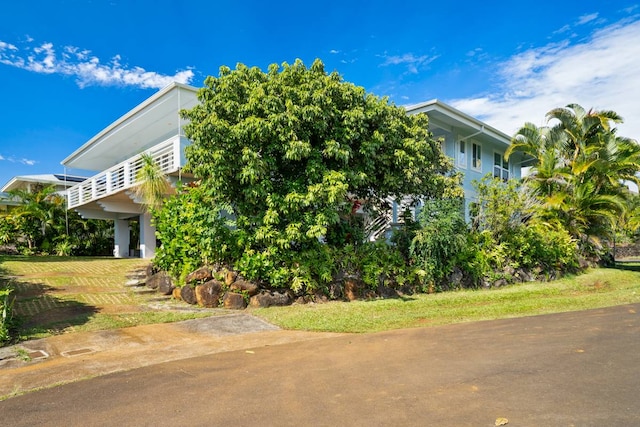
570,369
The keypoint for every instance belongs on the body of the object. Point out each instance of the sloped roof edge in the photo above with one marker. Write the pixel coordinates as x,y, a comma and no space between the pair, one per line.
42,179
144,104
444,108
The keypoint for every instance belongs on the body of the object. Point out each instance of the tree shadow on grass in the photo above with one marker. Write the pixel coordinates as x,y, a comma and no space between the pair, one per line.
627,265
37,311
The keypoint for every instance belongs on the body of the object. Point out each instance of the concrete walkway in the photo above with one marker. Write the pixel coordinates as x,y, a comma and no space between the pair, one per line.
570,369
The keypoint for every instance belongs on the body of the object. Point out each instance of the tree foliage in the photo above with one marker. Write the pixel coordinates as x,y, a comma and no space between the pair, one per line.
193,232
580,170
441,237
290,153
41,224
508,236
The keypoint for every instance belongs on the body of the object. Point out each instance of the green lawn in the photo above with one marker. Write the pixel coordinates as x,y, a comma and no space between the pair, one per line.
58,295
66,294
594,289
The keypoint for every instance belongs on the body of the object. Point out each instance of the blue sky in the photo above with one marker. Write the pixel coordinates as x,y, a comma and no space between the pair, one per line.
71,67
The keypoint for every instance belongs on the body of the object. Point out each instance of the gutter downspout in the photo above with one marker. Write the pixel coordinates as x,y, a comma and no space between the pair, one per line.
473,134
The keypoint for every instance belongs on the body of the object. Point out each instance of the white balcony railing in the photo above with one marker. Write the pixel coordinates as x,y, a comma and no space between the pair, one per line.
124,175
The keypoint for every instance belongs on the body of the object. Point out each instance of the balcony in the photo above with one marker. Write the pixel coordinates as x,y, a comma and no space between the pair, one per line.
124,176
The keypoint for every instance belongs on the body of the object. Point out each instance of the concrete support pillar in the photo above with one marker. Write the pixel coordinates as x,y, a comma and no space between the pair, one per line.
121,238
147,237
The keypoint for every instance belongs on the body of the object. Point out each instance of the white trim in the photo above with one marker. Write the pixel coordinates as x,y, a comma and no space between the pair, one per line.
462,118
462,159
124,175
473,157
502,168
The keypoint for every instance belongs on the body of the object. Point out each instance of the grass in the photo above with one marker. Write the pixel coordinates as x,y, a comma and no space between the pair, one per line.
595,289
88,294
102,322
65,294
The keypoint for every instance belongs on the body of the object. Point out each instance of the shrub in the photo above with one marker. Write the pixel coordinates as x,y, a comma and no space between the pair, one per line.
6,314
508,235
193,231
442,237
375,263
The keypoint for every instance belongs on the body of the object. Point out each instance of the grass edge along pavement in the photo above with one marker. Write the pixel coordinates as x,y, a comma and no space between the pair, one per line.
596,288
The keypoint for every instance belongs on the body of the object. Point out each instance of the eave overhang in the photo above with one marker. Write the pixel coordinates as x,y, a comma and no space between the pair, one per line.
442,114
154,120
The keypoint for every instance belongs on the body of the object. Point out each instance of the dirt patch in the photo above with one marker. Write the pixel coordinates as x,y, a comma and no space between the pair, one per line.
600,285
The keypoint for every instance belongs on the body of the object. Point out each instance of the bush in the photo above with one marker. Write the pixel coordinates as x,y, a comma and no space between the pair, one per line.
375,264
6,314
442,237
193,231
507,235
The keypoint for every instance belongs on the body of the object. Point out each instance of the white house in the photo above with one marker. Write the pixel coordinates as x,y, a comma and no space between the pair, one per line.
475,147
155,127
61,182
28,183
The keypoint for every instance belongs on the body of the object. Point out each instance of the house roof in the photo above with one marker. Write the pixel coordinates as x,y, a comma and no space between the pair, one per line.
465,125
151,122
22,182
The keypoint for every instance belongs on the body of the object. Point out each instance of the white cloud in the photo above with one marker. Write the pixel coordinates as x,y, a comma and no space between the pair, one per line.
410,60
7,46
334,51
27,162
563,29
587,18
87,69
601,73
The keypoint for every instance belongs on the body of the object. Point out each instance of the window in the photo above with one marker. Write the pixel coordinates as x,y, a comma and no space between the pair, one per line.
500,167
462,154
476,157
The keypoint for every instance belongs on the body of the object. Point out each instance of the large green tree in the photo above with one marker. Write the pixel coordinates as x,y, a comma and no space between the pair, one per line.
295,151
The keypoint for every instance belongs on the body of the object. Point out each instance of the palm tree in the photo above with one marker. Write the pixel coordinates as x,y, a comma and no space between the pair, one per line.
532,140
38,212
579,169
152,184
580,127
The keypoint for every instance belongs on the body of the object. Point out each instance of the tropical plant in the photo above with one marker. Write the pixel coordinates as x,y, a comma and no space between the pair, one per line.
508,234
292,151
442,236
152,184
580,170
193,231
6,313
36,214
41,224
